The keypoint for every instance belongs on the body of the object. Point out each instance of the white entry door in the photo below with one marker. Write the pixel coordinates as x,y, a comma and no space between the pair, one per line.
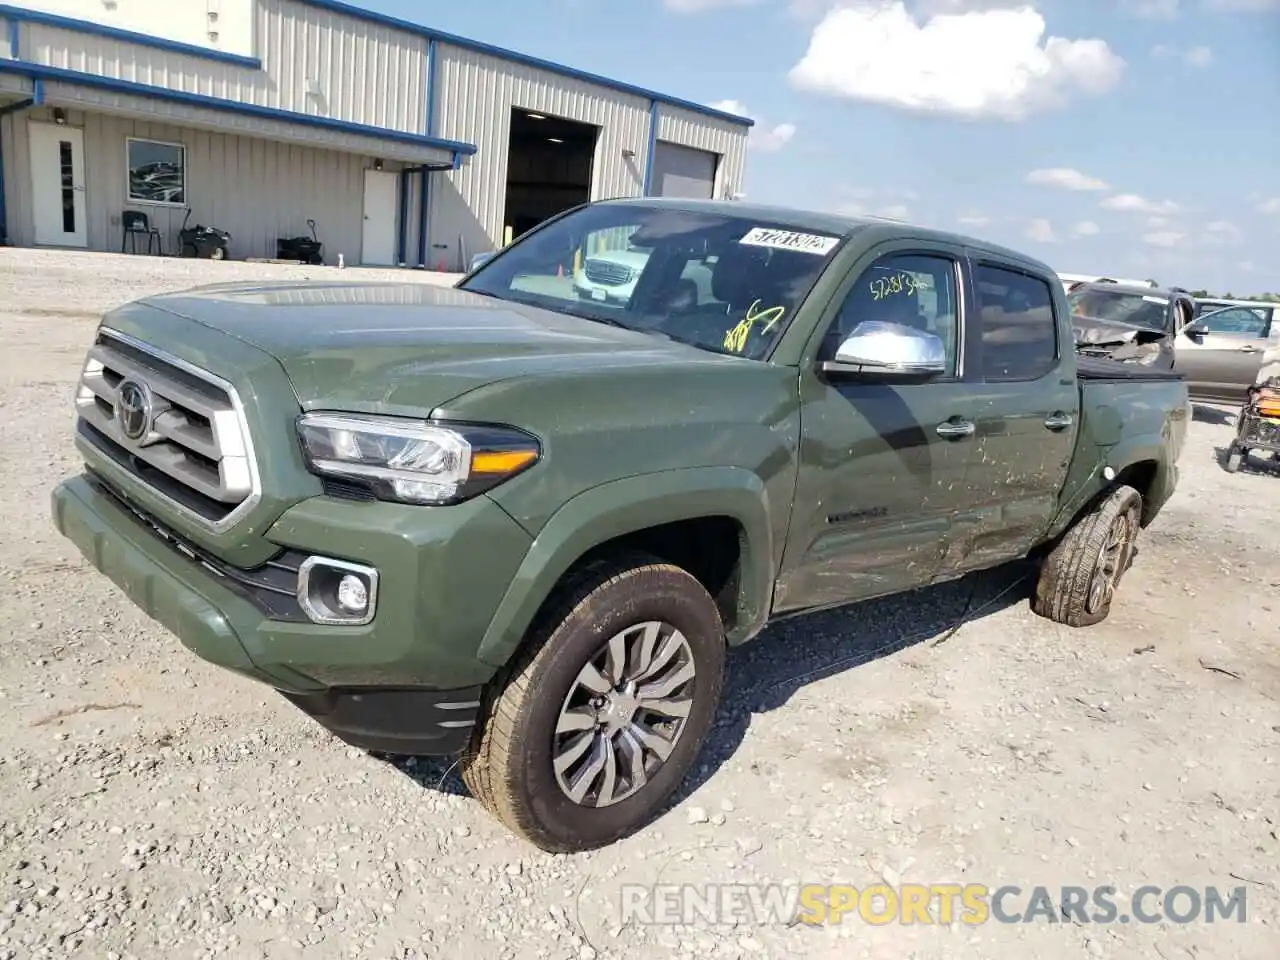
380,195
57,184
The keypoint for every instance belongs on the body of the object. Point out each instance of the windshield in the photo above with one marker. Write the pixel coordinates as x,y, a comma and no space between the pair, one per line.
1145,311
720,282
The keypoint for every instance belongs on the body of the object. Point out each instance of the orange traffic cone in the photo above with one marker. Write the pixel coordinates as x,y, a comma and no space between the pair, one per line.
560,270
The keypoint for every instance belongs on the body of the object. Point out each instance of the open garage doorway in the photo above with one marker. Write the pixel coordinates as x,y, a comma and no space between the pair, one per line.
549,165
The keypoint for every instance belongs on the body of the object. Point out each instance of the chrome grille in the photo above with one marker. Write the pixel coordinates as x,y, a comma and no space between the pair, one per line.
178,430
607,272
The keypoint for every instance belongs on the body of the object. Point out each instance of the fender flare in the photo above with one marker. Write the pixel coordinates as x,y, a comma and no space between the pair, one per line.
628,505
1144,448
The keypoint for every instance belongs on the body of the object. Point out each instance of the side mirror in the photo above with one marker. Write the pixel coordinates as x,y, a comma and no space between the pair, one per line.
879,350
1194,330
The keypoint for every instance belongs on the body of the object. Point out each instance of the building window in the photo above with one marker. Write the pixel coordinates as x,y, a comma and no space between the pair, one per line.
157,172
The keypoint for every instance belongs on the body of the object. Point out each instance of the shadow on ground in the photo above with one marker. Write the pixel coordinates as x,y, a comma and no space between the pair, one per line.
1214,415
766,673
1256,462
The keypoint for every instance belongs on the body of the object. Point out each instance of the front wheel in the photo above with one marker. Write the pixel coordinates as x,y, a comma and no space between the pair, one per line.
1081,574
597,724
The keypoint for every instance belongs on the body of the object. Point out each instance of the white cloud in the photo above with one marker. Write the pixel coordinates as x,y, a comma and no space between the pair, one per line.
762,136
701,6
1041,231
1164,238
1085,228
1244,6
973,220
1151,9
1065,178
1271,206
1132,203
978,65
1194,56
886,203
1223,233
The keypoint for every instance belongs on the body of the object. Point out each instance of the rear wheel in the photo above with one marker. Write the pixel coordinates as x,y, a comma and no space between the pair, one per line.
1081,574
596,725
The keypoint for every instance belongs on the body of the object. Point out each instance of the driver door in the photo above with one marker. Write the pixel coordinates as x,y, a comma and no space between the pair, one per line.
882,464
1222,362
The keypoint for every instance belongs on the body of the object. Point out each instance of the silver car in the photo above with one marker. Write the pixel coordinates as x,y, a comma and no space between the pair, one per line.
1221,352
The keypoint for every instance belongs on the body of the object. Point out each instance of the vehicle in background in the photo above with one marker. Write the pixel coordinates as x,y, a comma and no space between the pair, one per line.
1071,281
505,523
1265,309
1129,323
1221,352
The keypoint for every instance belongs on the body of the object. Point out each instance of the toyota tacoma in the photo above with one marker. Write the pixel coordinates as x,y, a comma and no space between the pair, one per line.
502,522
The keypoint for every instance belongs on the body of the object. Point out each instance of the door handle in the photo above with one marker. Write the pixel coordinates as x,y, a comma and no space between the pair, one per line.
955,429
1249,348
1058,421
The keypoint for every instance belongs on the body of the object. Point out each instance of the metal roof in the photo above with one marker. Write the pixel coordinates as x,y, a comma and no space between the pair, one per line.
370,16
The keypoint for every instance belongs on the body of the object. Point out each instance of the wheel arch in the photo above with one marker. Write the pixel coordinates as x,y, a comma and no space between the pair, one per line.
666,514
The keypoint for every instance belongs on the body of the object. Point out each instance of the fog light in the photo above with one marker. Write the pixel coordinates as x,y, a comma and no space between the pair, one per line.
353,596
337,592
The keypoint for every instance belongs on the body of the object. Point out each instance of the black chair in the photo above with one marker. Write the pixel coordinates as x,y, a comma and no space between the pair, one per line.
136,223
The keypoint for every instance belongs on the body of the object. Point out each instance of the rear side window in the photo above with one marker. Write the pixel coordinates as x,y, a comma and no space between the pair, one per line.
1019,332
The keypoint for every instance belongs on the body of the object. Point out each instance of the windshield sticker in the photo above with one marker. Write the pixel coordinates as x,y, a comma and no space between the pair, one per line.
894,285
1160,300
788,240
736,339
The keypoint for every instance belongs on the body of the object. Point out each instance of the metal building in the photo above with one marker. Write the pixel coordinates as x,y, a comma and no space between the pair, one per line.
405,145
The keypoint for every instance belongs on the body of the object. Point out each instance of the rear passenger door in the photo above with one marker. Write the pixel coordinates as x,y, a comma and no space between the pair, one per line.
1025,411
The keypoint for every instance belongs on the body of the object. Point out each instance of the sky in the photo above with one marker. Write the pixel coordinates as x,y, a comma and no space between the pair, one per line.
1138,138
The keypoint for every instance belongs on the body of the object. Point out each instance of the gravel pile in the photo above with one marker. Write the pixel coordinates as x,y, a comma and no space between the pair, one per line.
152,806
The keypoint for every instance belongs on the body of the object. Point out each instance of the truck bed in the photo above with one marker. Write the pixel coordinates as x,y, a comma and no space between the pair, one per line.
1096,368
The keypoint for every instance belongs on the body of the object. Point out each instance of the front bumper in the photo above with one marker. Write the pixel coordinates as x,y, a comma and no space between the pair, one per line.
406,682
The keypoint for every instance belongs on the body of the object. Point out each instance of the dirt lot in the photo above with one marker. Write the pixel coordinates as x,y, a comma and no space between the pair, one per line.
153,806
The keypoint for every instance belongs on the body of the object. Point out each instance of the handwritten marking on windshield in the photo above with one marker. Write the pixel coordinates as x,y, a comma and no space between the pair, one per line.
736,339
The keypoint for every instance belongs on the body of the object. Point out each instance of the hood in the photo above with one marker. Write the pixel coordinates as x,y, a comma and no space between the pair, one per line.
1121,341
388,347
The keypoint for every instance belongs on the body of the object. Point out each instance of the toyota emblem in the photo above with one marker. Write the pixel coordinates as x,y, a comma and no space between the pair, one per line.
133,409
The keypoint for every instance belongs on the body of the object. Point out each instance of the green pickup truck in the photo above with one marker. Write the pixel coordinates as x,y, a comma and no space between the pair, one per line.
520,520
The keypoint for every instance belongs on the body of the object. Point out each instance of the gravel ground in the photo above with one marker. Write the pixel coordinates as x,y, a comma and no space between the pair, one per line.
154,806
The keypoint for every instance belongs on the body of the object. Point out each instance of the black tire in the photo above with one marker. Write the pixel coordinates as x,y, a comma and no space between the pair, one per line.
510,766
1067,591
1235,459
189,250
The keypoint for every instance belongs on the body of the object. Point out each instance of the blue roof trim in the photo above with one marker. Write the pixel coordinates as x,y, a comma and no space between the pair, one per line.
17,15
38,71
369,16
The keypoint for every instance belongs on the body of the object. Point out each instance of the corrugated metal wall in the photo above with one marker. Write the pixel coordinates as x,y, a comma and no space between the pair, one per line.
474,99
708,133
257,189
367,73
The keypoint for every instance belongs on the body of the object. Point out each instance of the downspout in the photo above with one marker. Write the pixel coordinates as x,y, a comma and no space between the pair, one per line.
4,213
653,142
424,197
404,216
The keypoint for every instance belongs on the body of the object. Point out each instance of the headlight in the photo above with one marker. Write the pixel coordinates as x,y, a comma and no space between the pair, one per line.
414,461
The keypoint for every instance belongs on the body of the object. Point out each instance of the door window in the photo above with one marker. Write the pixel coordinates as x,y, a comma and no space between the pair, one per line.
1241,321
1018,327
912,289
